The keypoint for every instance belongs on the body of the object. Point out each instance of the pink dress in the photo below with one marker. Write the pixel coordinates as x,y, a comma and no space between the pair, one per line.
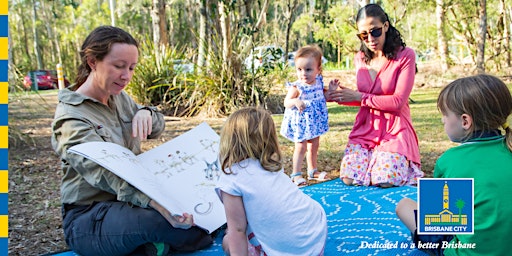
383,146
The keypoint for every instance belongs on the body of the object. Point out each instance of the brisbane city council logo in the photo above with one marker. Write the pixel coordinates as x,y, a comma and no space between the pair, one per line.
445,206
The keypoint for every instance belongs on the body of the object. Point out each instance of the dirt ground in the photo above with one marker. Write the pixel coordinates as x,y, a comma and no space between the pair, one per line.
34,170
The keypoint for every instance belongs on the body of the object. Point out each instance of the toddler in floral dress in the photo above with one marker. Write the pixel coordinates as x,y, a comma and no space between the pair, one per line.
305,117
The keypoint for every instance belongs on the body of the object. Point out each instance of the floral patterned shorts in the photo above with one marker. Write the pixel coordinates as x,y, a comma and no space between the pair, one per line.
373,167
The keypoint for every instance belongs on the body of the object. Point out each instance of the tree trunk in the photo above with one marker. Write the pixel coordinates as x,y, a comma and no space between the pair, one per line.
163,23
57,45
155,21
191,22
159,23
262,17
49,31
25,37
112,5
482,32
312,4
291,6
172,32
226,33
362,3
506,33
203,33
53,34
37,52
76,41
442,43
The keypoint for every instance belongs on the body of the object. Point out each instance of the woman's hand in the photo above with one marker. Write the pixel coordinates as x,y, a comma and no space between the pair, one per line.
330,93
184,221
349,95
142,124
343,95
332,96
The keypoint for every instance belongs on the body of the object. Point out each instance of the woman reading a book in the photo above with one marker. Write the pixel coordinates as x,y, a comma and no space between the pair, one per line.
103,214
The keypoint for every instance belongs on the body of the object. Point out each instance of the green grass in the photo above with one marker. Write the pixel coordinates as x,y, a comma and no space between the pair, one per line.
426,120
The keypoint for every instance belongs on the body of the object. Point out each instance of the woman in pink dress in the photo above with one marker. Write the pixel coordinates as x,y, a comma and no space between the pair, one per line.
383,147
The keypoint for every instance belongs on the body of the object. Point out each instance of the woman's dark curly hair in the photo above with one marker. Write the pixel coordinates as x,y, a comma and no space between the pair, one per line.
394,41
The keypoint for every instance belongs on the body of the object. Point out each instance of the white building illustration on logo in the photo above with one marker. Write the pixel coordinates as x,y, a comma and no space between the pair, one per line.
446,217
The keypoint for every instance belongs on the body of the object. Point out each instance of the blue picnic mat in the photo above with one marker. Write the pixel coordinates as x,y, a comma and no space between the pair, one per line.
361,221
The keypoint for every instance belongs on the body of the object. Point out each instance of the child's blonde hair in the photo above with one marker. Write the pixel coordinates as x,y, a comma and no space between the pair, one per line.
311,51
250,133
483,97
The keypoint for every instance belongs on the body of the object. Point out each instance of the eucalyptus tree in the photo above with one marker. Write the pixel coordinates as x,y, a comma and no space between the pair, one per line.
339,31
37,49
442,41
504,25
475,28
482,33
40,29
21,23
78,21
290,8
112,5
225,27
159,22
225,31
203,33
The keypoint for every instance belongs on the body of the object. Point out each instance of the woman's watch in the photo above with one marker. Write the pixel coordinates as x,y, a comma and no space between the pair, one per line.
151,109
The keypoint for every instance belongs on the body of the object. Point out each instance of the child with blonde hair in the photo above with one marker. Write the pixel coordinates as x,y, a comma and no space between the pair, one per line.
258,196
305,116
474,109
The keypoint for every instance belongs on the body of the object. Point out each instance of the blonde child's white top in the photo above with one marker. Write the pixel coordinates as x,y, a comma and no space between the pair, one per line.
284,220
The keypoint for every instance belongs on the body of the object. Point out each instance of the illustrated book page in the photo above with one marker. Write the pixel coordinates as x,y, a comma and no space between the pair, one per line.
180,174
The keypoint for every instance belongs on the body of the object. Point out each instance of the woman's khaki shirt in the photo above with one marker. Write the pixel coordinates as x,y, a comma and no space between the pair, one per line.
80,119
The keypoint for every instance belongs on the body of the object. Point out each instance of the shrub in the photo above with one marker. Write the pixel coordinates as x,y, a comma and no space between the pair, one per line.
156,81
215,90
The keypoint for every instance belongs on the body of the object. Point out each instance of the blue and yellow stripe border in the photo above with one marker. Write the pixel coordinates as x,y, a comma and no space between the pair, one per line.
4,136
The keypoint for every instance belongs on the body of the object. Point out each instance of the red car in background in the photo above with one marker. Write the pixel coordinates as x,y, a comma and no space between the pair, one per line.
46,79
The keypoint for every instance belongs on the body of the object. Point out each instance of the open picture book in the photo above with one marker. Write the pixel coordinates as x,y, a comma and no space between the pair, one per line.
180,174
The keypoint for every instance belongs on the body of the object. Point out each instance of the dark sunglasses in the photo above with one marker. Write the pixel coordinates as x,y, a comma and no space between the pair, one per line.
376,32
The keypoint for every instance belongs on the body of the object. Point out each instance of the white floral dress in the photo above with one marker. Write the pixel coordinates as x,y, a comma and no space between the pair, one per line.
313,121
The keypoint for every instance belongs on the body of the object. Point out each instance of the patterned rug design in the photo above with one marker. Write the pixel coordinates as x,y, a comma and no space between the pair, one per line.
361,221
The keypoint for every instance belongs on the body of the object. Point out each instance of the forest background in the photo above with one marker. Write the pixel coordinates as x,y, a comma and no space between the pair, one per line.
216,36
451,39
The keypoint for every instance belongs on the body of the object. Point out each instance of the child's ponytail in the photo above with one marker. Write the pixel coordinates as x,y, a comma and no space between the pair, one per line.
508,134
